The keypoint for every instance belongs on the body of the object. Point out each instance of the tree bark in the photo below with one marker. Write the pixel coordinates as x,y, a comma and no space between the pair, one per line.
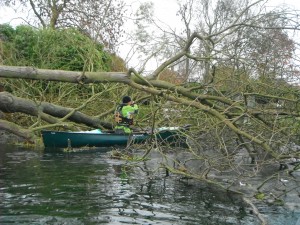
31,73
47,111
17,130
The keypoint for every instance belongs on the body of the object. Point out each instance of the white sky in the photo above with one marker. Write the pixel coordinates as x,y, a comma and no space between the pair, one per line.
164,9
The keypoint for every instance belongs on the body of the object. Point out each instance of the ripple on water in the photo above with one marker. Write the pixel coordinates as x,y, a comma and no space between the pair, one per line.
80,189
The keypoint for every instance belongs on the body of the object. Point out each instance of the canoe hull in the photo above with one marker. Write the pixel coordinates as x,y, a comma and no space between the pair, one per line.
63,139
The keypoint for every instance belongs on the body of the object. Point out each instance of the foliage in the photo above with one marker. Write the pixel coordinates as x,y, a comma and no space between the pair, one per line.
65,49
260,196
7,32
101,20
171,77
117,63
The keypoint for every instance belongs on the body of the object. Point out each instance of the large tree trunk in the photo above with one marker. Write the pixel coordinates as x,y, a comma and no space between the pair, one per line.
47,111
32,73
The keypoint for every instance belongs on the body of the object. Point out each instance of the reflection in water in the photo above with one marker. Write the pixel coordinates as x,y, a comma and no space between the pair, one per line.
39,188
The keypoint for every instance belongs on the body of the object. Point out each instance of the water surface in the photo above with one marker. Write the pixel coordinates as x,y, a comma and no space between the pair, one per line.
92,188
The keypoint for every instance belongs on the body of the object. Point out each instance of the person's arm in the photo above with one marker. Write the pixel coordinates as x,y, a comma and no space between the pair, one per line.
136,108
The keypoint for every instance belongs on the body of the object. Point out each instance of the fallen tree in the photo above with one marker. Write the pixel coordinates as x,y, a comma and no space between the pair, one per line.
51,113
222,108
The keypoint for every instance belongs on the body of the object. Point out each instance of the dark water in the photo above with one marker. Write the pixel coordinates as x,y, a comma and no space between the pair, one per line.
40,188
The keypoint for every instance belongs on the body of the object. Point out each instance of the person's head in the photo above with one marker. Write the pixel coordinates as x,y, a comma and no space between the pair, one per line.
126,100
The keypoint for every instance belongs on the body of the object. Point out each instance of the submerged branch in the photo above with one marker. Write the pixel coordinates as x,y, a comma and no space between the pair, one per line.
256,211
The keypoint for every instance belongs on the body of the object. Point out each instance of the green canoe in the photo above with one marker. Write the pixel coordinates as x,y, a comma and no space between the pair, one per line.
96,138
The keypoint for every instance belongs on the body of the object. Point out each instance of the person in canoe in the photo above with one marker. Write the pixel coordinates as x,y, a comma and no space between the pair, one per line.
124,115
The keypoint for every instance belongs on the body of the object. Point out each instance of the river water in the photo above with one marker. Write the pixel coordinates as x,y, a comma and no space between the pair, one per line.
92,188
